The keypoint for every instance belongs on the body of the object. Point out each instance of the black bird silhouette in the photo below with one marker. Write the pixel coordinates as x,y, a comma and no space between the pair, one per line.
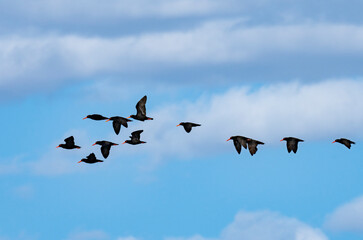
291,143
238,141
135,138
90,159
252,145
96,117
117,122
141,110
105,147
348,143
188,126
69,143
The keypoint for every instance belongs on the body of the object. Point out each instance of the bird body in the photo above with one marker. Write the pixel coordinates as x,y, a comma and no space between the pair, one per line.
292,143
117,122
69,144
188,126
96,117
135,138
141,110
239,141
90,159
346,142
252,145
105,147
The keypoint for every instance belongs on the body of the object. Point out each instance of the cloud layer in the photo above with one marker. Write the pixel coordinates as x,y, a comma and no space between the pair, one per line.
313,112
31,62
265,225
347,218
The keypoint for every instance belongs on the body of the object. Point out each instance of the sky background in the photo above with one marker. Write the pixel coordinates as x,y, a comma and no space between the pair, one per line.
263,69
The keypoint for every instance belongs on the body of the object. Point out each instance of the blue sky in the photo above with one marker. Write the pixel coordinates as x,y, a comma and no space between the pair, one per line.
264,69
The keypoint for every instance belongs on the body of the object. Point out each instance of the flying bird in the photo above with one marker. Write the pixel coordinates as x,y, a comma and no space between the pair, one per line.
141,110
69,144
90,159
188,126
135,138
105,147
252,145
117,122
239,141
346,142
291,143
97,117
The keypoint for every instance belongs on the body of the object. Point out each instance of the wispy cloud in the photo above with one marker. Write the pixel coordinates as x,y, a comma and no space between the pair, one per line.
264,225
89,235
347,218
63,10
25,191
128,238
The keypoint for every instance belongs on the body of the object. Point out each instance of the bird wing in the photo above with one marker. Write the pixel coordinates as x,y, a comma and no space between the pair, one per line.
291,146
124,122
136,134
116,126
252,146
105,150
237,145
187,127
140,106
242,141
91,156
347,144
69,140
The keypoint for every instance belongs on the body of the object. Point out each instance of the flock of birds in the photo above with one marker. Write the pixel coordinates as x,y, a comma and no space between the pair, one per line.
117,122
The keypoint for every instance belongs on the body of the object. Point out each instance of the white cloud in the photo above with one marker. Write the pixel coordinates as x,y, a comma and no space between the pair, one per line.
265,225
128,238
89,235
347,218
31,62
313,112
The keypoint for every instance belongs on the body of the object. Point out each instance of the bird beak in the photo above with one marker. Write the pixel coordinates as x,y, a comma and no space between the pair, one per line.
93,144
114,144
178,125
124,142
107,120
281,140
80,161
84,118
129,117
333,142
57,147
228,139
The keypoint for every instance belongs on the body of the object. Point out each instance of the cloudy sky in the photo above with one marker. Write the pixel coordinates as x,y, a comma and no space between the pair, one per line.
263,69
